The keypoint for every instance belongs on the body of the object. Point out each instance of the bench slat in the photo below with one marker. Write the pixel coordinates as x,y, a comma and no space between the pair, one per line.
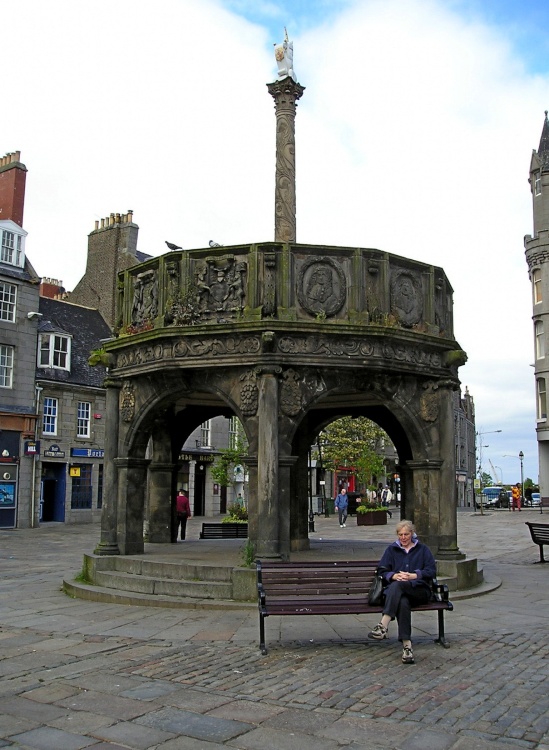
540,536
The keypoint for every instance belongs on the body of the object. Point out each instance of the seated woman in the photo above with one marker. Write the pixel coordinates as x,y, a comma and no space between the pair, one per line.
409,568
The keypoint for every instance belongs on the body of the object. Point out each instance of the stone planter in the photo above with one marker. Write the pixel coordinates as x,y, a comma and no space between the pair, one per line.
373,518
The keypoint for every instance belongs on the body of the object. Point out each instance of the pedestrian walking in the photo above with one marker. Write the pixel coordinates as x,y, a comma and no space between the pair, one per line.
183,513
515,497
342,504
408,567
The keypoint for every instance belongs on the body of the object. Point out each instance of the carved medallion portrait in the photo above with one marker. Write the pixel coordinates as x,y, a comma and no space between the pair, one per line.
406,298
321,286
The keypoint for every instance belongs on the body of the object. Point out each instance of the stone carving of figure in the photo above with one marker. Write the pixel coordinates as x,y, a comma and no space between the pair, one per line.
284,56
406,299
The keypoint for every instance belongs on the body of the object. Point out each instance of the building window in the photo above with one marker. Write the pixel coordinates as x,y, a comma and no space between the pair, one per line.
11,248
83,419
537,184
81,490
100,486
7,302
205,433
49,417
233,433
55,351
540,341
542,399
536,284
6,366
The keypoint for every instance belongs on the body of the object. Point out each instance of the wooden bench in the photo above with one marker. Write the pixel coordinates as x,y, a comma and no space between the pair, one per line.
224,531
328,588
540,536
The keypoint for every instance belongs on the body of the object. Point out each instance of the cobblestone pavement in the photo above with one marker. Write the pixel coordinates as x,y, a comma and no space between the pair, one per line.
77,674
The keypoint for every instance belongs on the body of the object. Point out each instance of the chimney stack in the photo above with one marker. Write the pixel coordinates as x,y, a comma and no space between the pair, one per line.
13,176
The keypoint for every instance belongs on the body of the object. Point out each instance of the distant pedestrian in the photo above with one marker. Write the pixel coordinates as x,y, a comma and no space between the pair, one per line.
386,496
342,504
183,513
515,497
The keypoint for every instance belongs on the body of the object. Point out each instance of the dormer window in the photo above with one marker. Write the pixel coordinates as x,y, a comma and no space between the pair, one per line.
54,351
12,244
537,184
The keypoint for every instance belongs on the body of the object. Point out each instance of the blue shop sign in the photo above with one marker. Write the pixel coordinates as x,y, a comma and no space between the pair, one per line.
87,453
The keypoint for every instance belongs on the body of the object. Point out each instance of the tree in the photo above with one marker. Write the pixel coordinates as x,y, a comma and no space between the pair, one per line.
486,479
356,444
225,462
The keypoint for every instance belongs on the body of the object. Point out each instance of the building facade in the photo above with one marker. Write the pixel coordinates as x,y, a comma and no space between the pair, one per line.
537,257
19,315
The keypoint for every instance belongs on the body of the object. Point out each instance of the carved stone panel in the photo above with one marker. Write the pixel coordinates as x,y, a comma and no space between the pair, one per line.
145,298
220,284
406,297
321,286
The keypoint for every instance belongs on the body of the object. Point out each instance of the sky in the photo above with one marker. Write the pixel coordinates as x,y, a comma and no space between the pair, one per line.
414,136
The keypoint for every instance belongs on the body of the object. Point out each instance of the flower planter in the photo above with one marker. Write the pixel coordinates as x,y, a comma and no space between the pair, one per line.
373,518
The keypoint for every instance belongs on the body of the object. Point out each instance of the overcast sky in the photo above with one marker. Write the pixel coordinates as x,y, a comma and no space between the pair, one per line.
414,136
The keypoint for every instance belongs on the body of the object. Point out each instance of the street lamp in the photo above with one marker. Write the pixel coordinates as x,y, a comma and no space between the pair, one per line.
481,435
521,457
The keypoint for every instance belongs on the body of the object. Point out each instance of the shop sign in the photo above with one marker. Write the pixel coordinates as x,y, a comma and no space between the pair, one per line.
54,452
87,453
32,447
201,458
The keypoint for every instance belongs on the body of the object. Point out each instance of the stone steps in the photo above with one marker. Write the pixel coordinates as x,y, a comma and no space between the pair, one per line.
158,586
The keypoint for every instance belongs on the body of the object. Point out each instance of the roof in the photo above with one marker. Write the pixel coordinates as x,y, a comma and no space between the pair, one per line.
86,328
543,150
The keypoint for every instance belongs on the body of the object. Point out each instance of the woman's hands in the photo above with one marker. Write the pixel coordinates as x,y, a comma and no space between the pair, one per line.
402,576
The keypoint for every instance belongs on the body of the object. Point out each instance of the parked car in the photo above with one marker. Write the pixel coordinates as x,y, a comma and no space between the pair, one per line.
535,500
494,497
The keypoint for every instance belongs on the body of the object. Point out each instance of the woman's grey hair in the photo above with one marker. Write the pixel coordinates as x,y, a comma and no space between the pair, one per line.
404,524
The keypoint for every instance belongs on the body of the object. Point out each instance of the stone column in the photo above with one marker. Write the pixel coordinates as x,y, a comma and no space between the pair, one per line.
108,544
192,472
132,486
447,530
268,539
160,502
285,519
285,93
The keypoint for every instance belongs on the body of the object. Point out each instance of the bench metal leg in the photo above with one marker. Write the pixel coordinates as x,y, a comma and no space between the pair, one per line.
262,646
541,557
441,637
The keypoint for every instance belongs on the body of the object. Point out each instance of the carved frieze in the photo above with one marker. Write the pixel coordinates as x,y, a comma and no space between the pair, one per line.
362,348
321,286
127,401
406,297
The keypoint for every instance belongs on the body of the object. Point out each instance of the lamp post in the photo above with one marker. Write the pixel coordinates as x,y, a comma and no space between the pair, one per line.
521,458
481,435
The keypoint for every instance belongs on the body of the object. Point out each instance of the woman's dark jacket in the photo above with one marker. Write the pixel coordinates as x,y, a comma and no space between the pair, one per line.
418,560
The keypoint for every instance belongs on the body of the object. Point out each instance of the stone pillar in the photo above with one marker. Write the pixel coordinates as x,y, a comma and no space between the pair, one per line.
285,93
299,507
267,465
447,518
285,518
192,472
160,502
108,544
132,486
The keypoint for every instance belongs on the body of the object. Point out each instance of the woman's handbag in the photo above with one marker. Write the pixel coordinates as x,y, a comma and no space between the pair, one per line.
375,595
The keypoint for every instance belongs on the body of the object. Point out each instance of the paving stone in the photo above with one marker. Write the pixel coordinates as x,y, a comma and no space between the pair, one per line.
246,711
48,738
136,736
262,738
81,722
148,691
10,725
194,725
30,710
50,693
109,705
